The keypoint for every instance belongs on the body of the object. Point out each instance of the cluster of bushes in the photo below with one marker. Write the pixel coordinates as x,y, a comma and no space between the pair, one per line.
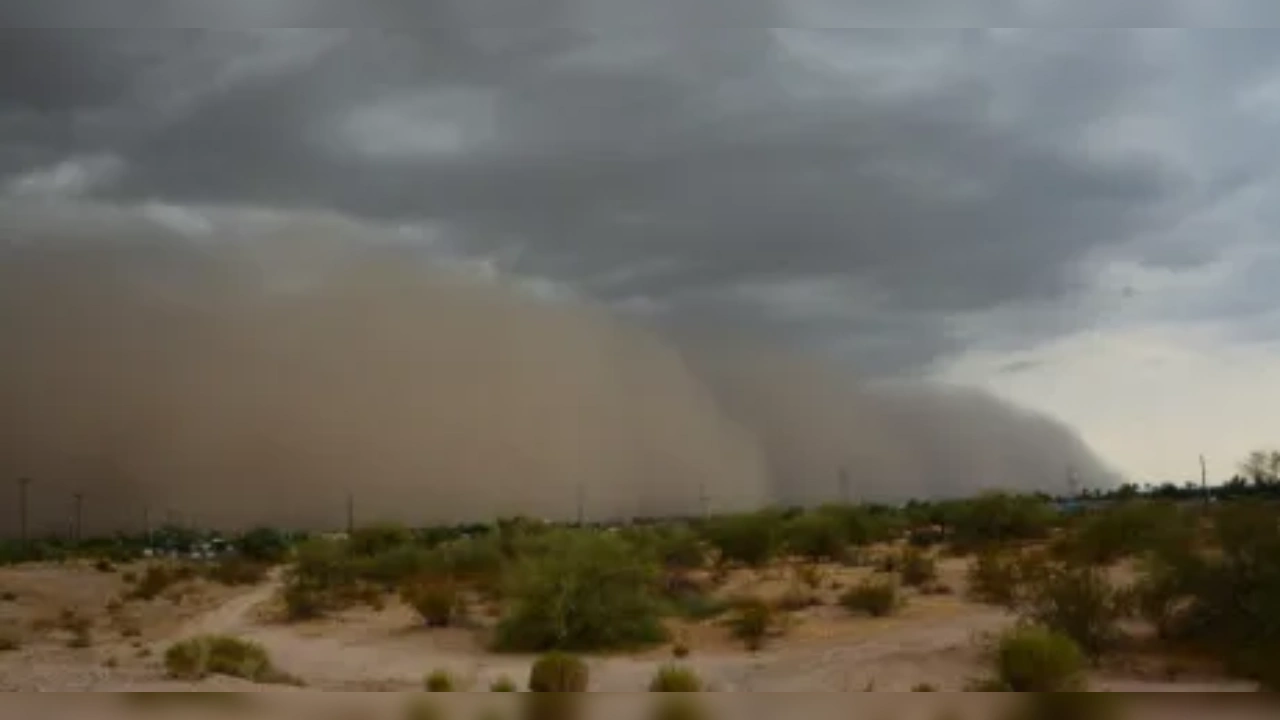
1207,582
201,656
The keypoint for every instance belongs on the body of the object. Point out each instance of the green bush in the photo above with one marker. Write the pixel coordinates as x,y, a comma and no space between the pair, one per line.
816,536
588,591
502,684
437,603
440,681
1080,603
917,568
1001,577
674,678
558,673
877,598
1037,659
1232,603
263,545
377,539
751,539
865,525
157,578
995,519
674,547
236,571
751,621
204,655
1125,530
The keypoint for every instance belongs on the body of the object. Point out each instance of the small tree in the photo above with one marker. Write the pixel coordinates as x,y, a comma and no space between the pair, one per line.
751,539
586,592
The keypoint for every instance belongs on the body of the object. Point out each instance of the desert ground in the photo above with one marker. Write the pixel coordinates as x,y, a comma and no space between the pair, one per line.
935,640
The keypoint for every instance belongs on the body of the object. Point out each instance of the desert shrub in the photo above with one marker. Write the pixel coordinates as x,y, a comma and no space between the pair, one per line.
1126,530
558,673
811,575
876,598
675,678
103,565
1080,603
234,570
1037,659
864,525
8,596
204,655
674,547
9,641
751,538
323,578
798,598
815,536
393,566
477,562
439,681
1001,577
589,591
752,620
157,578
303,602
379,538
263,545
436,602
994,519
696,604
1232,606
502,684
917,568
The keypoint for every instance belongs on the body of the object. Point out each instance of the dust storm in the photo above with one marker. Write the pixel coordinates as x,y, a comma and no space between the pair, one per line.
259,368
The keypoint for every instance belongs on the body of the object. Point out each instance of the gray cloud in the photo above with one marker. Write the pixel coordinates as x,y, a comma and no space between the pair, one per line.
947,176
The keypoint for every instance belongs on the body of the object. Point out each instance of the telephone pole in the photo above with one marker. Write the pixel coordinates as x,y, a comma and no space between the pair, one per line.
704,500
1073,482
23,484
1204,479
843,482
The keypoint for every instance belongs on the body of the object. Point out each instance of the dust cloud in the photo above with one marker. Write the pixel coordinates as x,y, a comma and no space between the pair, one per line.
248,367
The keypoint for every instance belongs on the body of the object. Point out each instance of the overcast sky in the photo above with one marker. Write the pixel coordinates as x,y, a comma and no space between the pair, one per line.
1078,220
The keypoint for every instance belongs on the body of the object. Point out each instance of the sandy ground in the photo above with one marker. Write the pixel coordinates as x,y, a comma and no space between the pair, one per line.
933,640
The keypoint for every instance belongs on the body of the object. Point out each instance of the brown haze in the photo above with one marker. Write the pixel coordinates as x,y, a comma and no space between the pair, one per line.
259,368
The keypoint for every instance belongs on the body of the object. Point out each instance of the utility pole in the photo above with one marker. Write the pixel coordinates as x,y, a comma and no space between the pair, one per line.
146,523
843,481
78,499
704,500
1073,482
1204,479
23,484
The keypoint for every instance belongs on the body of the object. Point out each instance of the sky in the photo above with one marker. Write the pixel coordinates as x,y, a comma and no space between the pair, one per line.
1079,221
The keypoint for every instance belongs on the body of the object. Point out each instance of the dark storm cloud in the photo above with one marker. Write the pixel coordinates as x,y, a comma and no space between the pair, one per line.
948,178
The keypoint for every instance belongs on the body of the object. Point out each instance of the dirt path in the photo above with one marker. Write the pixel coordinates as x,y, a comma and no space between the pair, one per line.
235,617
